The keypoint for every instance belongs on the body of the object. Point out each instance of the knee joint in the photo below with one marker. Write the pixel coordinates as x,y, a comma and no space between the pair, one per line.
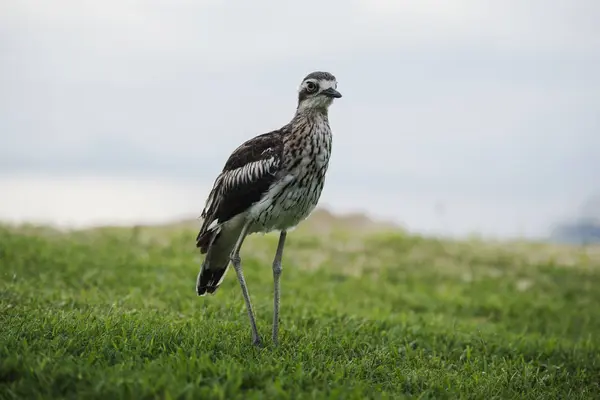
235,259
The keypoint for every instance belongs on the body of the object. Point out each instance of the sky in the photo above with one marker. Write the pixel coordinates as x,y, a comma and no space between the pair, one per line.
456,118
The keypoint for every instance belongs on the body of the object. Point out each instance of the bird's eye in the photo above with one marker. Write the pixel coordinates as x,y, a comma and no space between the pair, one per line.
311,86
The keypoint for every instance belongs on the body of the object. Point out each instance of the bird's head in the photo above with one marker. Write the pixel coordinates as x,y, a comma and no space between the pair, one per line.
317,91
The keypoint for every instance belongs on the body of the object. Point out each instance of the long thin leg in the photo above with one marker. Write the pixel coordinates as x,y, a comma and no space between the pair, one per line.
237,264
276,275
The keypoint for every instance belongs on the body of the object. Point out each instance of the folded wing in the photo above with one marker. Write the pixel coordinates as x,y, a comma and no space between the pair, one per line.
246,177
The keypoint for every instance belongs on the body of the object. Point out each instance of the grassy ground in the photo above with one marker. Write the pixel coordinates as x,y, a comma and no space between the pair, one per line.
112,313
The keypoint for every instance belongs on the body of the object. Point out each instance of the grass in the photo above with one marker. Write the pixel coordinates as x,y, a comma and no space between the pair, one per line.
112,313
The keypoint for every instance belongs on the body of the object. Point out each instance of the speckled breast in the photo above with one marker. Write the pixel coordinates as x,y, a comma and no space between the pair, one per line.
296,195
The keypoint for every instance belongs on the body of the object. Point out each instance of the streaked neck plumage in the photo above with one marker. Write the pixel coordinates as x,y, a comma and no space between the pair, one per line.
311,112
314,105
310,121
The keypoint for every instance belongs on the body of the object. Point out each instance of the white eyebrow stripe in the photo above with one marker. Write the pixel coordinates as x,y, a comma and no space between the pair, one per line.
326,84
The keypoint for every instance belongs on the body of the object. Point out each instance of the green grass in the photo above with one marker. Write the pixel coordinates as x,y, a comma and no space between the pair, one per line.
112,313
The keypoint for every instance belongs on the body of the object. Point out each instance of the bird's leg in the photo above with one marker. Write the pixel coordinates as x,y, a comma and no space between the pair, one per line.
276,275
237,264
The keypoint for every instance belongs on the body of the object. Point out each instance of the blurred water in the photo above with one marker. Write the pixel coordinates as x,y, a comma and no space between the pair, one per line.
95,200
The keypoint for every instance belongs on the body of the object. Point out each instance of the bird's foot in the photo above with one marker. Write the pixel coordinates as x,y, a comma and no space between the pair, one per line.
256,341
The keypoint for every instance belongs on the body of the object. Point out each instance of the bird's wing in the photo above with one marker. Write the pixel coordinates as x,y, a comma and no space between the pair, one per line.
246,177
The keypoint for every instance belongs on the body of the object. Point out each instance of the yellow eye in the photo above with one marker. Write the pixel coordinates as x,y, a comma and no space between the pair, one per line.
311,86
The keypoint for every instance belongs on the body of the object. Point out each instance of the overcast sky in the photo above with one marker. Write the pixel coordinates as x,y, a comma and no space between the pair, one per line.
488,112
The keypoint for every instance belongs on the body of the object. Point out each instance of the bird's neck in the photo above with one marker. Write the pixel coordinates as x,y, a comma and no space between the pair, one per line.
310,122
313,113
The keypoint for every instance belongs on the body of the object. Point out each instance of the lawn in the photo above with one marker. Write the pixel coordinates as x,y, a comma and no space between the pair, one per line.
112,313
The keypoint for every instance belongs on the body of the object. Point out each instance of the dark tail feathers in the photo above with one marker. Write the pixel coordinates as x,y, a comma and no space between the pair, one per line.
217,245
209,280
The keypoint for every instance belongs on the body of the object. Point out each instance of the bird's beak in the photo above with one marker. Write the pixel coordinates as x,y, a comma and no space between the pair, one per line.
331,92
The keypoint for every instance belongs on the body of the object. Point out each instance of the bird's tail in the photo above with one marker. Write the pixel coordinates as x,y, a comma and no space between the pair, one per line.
218,245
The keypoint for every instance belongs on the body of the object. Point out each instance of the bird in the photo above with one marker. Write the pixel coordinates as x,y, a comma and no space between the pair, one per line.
271,182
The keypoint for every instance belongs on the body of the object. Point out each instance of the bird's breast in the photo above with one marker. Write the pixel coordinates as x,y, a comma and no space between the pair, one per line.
296,192
311,148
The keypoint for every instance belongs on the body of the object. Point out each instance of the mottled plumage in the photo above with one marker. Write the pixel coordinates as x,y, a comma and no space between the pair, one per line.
271,182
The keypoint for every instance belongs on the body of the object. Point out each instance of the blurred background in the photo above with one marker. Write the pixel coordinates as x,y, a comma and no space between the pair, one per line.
458,118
